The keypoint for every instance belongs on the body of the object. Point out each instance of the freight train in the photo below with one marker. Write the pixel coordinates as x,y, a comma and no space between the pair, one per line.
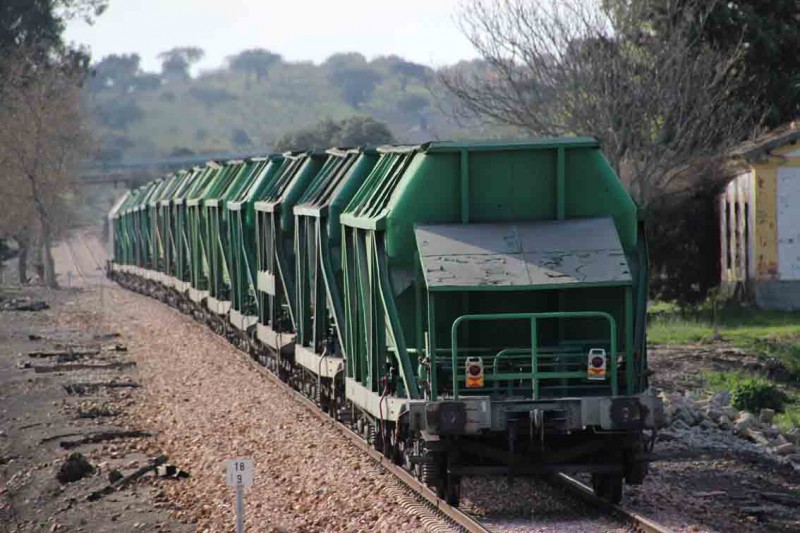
471,308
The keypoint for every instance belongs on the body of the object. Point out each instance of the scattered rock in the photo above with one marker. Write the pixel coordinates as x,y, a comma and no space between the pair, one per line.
707,424
171,471
721,399
755,436
780,439
24,304
756,510
766,416
74,467
680,424
114,476
724,423
106,336
785,449
730,412
709,494
745,421
666,436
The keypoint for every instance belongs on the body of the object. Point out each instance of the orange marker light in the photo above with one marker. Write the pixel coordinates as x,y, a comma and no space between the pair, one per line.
474,371
596,365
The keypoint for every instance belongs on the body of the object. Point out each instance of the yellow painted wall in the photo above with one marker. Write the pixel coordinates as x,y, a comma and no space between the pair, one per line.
766,231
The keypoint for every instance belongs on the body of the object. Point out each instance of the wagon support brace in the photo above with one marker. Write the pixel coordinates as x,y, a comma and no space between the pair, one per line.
535,375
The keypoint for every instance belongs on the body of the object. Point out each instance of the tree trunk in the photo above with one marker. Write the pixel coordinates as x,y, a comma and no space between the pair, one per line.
22,261
47,258
35,254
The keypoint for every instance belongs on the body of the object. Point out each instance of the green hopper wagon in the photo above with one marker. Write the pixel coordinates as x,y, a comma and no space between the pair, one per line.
318,272
275,247
241,239
497,292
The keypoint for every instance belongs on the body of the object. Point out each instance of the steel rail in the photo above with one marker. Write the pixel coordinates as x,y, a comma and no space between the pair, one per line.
82,238
452,515
634,520
434,505
72,256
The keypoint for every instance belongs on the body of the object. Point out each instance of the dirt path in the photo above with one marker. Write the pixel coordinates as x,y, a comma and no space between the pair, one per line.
48,404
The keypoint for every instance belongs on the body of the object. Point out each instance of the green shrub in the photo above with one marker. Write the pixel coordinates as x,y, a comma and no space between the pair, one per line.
756,394
790,418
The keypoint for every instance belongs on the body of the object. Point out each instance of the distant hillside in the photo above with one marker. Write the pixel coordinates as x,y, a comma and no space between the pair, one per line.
257,98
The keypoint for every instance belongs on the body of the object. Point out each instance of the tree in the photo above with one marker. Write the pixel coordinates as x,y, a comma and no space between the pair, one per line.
363,131
407,70
414,105
37,26
656,102
29,22
175,63
256,62
116,71
770,37
353,131
43,135
211,96
118,113
344,60
240,138
356,83
147,82
351,73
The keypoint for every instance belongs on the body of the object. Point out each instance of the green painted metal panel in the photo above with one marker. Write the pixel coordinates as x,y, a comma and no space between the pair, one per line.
167,210
483,183
159,221
141,225
197,225
180,267
241,210
235,176
275,238
317,249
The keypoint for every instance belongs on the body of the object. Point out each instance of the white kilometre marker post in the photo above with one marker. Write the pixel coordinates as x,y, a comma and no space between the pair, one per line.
239,474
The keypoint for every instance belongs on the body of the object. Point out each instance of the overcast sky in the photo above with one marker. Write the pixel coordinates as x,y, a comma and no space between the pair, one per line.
419,30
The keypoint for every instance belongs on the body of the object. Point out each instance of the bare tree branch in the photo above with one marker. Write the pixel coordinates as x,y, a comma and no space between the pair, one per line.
43,135
569,67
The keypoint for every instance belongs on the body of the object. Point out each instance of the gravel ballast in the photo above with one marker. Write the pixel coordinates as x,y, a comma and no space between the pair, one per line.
206,402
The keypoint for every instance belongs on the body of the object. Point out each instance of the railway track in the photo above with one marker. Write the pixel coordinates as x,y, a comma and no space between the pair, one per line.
428,502
85,278
452,516
436,514
97,263
631,519
74,259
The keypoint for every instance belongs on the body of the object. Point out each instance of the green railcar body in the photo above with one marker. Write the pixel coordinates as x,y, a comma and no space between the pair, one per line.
469,307
241,238
317,250
555,189
275,247
239,176
199,250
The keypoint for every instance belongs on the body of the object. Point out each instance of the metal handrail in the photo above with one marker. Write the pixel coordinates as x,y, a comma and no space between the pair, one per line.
535,375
